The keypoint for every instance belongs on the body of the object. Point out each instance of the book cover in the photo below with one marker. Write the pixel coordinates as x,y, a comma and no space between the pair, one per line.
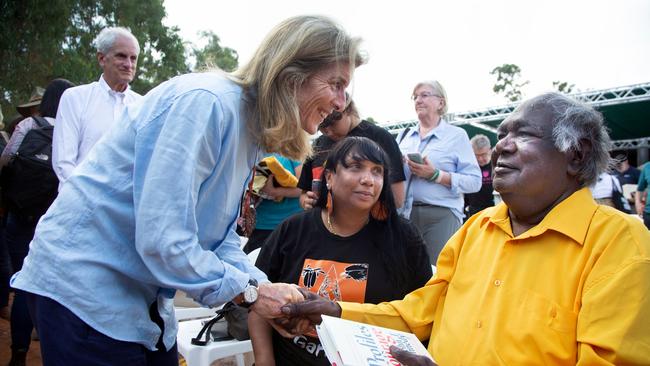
349,343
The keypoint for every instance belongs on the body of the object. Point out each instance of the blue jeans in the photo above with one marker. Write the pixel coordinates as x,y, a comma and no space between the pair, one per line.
18,234
68,340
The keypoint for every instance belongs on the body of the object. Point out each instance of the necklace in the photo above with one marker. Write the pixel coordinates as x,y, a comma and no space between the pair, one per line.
329,225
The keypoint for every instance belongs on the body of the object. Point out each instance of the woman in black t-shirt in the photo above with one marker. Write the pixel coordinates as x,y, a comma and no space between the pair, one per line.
351,247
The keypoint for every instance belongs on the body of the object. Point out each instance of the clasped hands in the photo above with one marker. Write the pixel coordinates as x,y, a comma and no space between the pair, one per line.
302,310
292,310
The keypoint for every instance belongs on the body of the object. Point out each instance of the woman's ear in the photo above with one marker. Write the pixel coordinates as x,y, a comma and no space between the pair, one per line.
328,178
443,103
578,157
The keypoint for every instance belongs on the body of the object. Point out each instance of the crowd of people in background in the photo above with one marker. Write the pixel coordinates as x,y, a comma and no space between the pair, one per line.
489,250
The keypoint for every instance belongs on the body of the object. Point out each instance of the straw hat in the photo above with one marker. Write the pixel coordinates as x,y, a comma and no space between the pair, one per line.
34,100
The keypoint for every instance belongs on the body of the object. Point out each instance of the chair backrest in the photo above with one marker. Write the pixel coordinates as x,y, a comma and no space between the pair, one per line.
193,313
252,256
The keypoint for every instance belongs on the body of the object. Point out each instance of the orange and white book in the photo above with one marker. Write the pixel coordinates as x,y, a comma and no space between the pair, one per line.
349,343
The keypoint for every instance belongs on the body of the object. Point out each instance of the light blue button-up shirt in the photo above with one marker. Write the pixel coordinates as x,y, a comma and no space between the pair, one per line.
152,208
448,148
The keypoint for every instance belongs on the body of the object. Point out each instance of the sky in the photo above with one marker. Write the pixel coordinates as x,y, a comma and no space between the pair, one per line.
593,44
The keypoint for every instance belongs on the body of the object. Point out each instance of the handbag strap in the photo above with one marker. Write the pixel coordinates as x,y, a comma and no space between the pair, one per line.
244,200
406,130
203,338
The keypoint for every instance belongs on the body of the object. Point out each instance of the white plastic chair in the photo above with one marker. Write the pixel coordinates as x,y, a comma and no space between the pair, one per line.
252,256
206,355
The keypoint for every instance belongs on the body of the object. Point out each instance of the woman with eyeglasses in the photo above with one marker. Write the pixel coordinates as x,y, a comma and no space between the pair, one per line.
335,127
440,167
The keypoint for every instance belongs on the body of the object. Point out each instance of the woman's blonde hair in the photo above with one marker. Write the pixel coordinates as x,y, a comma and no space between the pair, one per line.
294,50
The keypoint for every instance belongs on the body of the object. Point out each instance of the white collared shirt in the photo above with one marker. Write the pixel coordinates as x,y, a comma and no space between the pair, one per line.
85,113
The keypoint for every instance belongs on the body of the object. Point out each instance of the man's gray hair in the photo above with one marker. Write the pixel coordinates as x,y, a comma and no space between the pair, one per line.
576,126
480,142
107,37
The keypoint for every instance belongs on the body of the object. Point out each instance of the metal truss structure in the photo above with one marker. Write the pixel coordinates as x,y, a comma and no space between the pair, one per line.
643,142
487,119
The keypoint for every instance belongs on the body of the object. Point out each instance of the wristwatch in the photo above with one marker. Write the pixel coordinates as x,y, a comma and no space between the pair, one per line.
251,292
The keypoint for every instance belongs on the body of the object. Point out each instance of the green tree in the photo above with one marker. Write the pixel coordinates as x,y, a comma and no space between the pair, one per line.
508,81
371,120
563,86
213,54
44,39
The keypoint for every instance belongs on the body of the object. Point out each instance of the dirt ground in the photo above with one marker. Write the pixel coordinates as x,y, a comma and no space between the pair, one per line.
34,354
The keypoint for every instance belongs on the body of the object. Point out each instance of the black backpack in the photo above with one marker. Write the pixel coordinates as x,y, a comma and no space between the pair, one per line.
29,184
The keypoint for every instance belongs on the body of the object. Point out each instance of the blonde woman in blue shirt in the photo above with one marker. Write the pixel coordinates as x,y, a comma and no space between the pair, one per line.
153,207
446,168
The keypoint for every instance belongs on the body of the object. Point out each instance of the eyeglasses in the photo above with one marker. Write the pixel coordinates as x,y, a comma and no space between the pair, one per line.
424,95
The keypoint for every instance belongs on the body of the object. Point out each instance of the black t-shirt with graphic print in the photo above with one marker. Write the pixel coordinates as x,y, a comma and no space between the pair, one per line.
324,144
302,251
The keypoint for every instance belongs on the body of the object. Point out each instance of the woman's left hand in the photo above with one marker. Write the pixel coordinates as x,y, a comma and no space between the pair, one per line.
273,296
424,170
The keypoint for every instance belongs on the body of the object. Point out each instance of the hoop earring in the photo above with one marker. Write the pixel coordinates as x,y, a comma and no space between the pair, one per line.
379,211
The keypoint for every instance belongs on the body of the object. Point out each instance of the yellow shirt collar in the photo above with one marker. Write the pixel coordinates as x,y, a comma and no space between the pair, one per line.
570,217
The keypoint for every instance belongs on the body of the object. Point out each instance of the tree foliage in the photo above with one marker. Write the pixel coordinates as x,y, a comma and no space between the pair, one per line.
44,39
508,76
213,54
563,86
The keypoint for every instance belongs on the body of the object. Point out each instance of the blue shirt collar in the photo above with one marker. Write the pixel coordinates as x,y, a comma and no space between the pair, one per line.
437,131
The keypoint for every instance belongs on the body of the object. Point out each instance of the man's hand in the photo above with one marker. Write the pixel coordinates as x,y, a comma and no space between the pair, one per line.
300,317
308,200
410,359
421,170
271,298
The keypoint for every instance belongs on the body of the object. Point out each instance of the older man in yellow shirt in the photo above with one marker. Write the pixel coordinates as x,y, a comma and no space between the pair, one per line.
547,276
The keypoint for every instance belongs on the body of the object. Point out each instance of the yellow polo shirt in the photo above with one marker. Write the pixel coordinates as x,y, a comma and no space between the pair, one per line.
575,289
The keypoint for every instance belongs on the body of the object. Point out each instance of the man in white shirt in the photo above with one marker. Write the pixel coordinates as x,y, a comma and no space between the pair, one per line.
87,111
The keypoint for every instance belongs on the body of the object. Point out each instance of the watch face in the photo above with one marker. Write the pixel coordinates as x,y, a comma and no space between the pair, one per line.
250,294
